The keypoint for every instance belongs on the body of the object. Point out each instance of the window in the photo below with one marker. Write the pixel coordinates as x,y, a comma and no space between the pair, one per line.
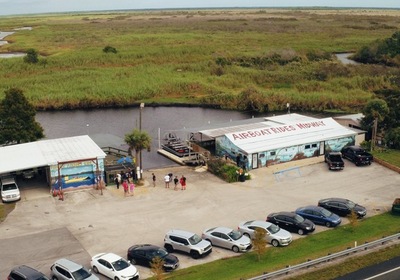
16,276
273,153
307,147
314,145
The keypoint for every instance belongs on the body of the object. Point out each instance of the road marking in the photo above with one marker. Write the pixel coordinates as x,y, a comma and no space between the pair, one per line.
383,273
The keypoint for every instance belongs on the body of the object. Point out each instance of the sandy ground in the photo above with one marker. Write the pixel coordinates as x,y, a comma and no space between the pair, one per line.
42,229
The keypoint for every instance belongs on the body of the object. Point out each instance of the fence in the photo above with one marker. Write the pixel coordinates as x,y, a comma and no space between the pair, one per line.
288,269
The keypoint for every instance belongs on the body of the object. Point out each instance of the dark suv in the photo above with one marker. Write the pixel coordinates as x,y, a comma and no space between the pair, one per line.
24,272
357,155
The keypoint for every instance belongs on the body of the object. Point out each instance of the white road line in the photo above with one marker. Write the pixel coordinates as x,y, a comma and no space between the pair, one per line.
383,273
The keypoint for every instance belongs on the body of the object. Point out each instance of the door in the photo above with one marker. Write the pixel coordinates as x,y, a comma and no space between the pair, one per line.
322,148
254,161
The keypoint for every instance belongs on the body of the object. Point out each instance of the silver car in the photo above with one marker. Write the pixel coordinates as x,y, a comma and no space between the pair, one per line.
227,238
273,233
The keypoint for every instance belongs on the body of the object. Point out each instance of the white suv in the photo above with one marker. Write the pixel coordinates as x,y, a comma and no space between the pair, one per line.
188,242
9,190
64,269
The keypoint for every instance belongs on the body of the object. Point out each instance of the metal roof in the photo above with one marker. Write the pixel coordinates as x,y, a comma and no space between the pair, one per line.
48,152
289,118
288,135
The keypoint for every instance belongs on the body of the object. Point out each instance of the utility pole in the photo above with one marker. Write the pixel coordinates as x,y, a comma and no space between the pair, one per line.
374,132
140,129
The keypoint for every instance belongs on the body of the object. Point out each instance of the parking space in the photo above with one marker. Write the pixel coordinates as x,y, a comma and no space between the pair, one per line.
112,222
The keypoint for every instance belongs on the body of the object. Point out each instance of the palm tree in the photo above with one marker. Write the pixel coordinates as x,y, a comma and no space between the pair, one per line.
138,141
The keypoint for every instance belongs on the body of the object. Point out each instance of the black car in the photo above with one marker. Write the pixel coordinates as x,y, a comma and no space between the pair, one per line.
24,272
334,161
291,222
145,253
357,155
342,206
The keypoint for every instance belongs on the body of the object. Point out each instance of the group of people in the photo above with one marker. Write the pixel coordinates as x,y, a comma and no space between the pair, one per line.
182,181
126,179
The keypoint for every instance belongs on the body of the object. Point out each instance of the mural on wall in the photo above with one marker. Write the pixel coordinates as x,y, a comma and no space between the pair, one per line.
336,145
224,147
76,174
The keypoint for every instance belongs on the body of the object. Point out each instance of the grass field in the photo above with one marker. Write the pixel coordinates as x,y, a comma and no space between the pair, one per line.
215,57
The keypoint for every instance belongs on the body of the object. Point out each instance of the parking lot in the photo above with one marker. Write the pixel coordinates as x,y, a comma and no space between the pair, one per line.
42,229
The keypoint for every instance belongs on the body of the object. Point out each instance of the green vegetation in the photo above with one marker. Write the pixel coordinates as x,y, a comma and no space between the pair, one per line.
226,171
390,156
5,209
310,247
208,57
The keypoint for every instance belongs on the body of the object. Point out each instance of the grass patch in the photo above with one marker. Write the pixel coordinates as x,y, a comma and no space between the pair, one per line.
310,247
388,155
5,209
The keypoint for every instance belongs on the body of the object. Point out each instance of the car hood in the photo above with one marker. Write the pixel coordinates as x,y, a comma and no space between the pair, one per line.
307,224
282,234
170,259
334,218
203,244
243,240
360,209
129,271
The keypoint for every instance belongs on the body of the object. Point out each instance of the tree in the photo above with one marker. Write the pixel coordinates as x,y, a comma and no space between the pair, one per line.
17,119
392,138
138,141
31,56
259,242
157,267
375,111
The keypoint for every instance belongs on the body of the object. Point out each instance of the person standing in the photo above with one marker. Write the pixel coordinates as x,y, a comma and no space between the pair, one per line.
167,179
132,187
154,179
116,181
119,178
183,183
176,181
126,187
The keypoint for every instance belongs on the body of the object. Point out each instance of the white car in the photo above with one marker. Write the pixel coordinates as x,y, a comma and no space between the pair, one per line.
273,233
9,190
114,267
227,238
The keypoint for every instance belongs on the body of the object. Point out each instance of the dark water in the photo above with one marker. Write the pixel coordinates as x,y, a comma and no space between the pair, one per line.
107,127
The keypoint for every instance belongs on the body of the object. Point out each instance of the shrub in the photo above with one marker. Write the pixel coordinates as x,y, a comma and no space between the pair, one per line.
31,56
109,49
220,168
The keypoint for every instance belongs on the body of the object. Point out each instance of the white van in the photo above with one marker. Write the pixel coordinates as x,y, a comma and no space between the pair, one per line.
9,190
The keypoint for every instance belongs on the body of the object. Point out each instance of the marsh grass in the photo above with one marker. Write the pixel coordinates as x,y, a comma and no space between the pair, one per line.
171,56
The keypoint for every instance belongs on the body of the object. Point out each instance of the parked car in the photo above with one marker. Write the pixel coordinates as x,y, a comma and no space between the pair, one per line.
334,161
227,238
9,189
357,155
319,215
28,174
188,242
64,269
292,222
144,254
113,267
274,234
342,206
24,272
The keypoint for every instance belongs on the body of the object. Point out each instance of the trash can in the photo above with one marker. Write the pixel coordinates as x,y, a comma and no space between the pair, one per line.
242,177
396,206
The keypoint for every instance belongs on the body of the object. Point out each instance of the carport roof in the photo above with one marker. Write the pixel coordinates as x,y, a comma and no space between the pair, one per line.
48,152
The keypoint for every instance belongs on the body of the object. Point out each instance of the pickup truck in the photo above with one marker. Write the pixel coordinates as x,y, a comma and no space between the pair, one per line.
334,161
357,155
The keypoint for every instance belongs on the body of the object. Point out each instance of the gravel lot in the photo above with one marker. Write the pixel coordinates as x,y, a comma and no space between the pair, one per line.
42,229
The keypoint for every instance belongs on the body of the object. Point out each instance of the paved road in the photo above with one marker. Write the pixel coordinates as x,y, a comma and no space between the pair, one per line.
388,270
42,229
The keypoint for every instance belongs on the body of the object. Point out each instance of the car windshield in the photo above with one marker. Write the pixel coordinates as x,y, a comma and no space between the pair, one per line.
351,204
120,264
359,152
235,235
273,228
195,239
325,212
81,274
9,187
335,157
158,253
298,218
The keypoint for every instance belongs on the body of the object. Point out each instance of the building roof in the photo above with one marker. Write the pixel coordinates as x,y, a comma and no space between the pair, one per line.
288,135
48,152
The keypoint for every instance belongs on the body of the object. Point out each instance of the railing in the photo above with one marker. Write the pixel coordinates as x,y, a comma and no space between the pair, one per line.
288,269
115,151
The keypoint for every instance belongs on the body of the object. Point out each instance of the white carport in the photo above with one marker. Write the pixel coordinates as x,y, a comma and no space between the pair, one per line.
49,154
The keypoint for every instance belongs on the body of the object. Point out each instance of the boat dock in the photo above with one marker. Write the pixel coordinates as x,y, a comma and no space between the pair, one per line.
191,159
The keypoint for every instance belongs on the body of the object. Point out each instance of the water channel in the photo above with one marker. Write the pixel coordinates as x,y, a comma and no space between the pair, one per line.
107,127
